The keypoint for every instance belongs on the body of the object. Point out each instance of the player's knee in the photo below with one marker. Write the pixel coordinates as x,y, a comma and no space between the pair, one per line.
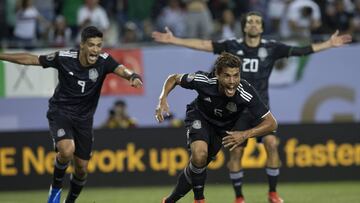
199,157
66,149
271,143
66,153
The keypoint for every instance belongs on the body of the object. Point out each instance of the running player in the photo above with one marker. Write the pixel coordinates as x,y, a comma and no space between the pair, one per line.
259,56
212,117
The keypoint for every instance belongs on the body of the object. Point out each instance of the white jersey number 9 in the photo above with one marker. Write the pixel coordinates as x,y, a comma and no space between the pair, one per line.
82,84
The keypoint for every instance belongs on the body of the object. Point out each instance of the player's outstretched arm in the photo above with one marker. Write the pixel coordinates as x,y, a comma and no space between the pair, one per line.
134,78
335,40
235,138
167,37
20,58
163,106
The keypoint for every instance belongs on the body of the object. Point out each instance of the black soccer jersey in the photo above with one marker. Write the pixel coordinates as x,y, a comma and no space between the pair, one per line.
217,108
78,90
257,62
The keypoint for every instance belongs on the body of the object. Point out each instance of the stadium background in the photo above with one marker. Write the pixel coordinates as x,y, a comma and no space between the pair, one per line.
316,100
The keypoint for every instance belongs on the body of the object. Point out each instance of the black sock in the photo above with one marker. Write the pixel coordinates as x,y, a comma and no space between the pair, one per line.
272,174
236,179
183,186
198,177
59,173
76,184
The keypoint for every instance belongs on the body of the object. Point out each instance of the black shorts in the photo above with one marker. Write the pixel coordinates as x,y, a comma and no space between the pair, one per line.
200,129
81,131
247,121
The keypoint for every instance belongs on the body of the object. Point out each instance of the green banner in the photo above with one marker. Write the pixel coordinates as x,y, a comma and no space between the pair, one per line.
2,79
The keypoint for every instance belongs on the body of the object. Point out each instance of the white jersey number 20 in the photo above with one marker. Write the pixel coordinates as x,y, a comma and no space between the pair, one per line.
250,65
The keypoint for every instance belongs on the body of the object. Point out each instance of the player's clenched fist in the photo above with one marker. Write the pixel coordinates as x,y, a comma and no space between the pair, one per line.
162,107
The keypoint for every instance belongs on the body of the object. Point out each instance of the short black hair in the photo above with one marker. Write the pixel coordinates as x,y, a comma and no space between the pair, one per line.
251,13
120,103
226,60
90,32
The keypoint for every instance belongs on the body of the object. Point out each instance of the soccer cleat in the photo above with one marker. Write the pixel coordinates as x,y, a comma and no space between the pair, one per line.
274,198
199,201
54,195
239,200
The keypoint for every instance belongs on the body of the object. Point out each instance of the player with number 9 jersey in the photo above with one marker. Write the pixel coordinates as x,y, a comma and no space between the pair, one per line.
78,90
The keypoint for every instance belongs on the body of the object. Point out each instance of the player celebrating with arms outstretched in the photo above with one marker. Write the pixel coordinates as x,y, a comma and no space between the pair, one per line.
81,74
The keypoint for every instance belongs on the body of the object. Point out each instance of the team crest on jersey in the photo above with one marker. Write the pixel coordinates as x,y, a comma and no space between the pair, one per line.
231,106
240,52
262,53
60,132
190,77
93,74
208,99
196,124
50,57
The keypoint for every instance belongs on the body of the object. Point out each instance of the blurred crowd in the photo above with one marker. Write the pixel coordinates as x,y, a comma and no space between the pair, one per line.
57,23
119,117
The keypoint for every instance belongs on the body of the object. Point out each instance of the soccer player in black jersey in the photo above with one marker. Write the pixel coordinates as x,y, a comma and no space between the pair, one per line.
212,118
258,56
71,109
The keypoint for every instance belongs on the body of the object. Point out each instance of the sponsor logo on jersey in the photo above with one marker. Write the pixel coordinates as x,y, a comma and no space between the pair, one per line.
196,124
208,99
71,73
240,52
262,53
60,132
93,74
231,106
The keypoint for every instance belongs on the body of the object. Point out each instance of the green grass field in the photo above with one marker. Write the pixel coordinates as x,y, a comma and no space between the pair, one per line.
327,192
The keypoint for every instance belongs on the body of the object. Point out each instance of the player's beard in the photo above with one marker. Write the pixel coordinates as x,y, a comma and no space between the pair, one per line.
253,34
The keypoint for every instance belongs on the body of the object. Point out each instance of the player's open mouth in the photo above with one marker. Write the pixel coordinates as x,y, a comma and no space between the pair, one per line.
254,29
93,57
229,91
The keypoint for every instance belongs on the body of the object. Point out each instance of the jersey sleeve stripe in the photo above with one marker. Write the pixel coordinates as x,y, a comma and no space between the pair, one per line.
246,99
201,76
68,54
265,114
245,94
209,81
205,77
